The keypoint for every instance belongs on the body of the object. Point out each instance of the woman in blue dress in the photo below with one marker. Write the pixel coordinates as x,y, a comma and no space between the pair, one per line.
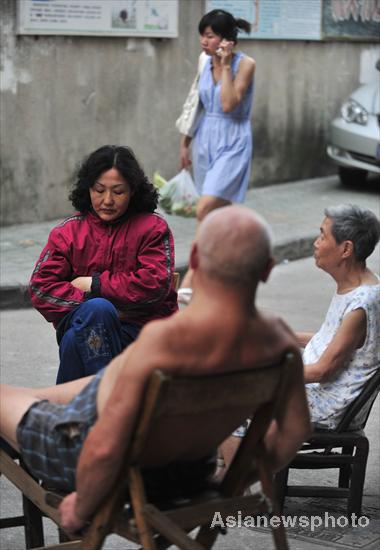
222,144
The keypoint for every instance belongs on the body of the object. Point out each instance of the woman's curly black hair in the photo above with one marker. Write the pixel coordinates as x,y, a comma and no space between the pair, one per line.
144,194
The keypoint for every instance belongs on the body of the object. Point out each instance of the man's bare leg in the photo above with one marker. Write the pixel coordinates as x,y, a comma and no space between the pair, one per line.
15,401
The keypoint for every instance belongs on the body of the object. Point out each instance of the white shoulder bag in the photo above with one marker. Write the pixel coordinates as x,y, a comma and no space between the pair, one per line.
192,109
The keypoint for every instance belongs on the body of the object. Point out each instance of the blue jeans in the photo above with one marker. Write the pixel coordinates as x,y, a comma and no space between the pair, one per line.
89,337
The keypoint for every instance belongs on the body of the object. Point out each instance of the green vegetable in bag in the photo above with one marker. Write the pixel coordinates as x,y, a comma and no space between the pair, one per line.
179,195
158,180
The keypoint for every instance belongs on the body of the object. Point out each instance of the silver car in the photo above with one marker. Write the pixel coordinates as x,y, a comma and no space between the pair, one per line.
355,136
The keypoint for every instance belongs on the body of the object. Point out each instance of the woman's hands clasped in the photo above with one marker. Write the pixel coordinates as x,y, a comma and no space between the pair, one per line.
83,283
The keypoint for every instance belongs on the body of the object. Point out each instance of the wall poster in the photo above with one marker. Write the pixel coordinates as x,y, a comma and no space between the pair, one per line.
155,18
353,19
276,19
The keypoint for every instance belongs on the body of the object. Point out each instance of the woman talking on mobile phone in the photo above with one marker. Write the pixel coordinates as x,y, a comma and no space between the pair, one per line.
221,148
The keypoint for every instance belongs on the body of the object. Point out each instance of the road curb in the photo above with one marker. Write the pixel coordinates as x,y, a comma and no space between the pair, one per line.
294,249
14,297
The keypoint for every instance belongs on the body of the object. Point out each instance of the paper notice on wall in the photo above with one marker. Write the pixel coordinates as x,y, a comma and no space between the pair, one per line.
156,18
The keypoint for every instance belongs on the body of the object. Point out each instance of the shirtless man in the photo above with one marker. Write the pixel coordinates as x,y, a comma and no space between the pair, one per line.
221,329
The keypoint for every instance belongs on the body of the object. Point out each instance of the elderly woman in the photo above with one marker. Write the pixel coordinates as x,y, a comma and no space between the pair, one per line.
108,269
345,352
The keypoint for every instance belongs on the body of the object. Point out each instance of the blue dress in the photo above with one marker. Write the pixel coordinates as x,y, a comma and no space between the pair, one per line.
222,145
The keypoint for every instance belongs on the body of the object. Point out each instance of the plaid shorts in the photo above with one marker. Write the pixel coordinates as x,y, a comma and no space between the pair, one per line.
50,436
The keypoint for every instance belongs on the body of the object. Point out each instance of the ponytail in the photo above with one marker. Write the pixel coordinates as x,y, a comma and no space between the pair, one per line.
243,25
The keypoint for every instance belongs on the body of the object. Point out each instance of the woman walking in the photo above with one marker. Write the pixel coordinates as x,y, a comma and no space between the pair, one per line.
221,148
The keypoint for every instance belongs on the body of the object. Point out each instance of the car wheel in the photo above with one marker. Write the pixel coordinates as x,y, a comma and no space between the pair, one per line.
352,176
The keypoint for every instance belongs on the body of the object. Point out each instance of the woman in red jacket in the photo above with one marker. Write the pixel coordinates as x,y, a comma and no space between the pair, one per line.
108,269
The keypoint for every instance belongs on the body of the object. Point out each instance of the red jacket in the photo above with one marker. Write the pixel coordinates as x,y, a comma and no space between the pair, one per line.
132,259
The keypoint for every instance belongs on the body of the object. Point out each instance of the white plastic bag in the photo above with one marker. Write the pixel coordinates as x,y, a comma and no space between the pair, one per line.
178,196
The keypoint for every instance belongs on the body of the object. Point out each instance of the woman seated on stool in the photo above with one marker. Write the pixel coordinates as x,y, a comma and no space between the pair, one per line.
108,269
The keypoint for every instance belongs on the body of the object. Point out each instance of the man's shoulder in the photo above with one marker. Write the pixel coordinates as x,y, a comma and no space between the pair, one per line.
156,336
277,326
144,355
276,335
178,345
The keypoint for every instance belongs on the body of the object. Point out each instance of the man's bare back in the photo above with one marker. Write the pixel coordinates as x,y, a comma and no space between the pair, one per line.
200,343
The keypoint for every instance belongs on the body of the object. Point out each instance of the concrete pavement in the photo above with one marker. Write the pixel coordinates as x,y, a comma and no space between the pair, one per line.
294,211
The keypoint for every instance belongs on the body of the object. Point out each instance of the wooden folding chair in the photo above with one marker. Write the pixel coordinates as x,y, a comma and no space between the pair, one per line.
176,280
184,419
31,518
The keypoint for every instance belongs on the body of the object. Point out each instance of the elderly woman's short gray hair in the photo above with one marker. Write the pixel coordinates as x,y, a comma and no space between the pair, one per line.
352,223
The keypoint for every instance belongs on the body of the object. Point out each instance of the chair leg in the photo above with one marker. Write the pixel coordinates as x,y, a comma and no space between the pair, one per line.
101,523
278,533
345,471
206,536
359,466
34,530
169,529
268,484
137,493
34,534
281,485
279,537
62,537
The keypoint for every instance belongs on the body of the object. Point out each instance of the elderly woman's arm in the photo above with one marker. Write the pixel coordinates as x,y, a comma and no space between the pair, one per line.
349,337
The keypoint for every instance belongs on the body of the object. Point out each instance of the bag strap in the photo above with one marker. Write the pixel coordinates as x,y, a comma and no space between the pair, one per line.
202,62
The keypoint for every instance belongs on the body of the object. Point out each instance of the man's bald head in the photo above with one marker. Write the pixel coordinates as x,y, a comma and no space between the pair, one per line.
234,245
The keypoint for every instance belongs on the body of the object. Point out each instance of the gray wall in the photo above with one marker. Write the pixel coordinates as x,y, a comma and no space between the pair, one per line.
64,96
